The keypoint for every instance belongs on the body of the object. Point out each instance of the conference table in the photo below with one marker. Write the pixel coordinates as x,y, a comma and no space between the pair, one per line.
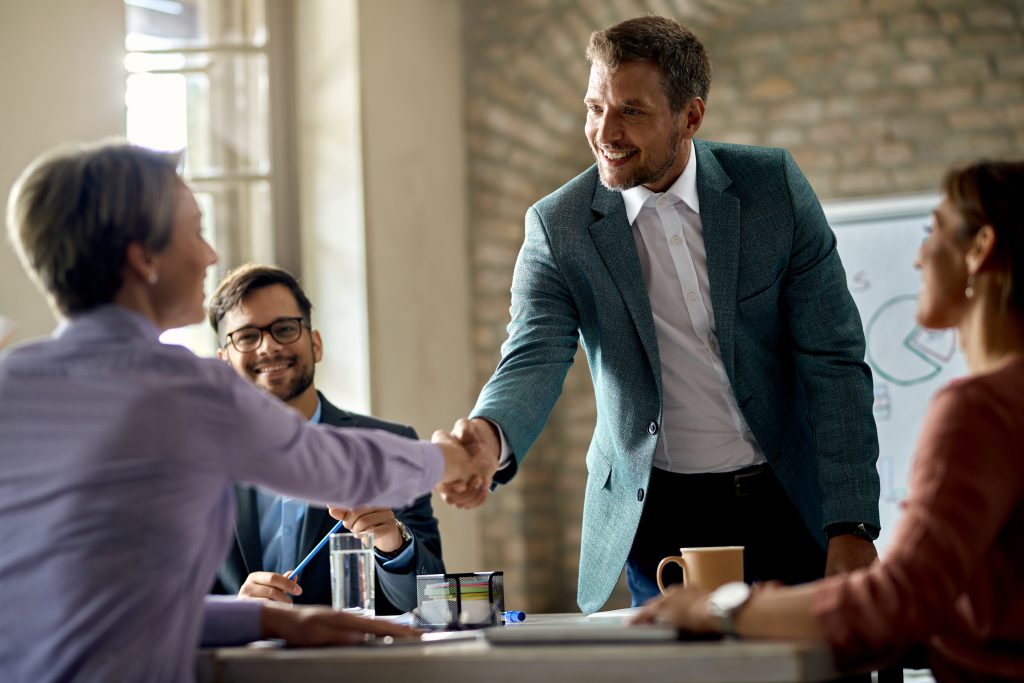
555,659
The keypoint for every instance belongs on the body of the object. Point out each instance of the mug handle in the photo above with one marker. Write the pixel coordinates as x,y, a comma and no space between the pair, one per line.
677,559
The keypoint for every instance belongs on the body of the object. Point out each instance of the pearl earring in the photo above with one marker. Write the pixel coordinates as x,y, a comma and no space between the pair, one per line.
969,289
153,278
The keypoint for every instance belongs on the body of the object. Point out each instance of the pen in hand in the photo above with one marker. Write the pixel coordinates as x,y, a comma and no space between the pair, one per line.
294,576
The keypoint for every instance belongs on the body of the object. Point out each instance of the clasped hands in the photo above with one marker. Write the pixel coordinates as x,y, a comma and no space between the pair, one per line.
471,454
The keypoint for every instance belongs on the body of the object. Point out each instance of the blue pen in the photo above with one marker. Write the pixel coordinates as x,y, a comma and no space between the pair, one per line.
514,616
312,553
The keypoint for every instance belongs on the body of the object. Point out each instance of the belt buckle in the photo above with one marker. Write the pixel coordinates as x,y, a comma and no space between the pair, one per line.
745,483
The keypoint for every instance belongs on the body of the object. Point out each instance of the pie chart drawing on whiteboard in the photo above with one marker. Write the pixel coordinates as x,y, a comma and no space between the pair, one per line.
902,351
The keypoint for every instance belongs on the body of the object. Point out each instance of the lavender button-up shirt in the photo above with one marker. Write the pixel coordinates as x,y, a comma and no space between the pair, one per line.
116,458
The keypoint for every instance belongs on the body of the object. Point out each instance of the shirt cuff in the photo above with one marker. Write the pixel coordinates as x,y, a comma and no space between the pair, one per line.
506,451
230,621
400,562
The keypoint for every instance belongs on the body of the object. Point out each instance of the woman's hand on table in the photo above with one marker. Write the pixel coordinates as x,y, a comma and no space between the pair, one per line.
316,626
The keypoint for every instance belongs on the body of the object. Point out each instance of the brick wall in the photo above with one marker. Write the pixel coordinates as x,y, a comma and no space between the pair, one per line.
871,96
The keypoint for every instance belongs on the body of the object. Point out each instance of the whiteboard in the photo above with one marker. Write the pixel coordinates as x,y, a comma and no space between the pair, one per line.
878,240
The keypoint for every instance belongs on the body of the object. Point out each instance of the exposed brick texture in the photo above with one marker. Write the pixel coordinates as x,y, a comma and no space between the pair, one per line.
871,97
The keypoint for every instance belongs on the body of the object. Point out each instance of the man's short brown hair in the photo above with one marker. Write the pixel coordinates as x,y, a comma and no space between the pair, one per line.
685,67
244,280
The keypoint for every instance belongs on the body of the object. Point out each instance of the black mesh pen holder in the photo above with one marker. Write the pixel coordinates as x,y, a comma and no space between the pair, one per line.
460,601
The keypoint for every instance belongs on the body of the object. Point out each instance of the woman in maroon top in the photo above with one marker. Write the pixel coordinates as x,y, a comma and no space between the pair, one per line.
953,579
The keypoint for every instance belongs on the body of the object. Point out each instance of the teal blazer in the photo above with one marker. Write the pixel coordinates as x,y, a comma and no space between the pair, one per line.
788,332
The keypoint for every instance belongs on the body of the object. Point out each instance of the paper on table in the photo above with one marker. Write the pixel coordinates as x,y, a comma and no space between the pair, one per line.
6,330
405,619
623,613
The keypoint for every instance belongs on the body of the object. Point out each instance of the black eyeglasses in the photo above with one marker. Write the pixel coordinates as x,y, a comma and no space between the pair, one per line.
283,331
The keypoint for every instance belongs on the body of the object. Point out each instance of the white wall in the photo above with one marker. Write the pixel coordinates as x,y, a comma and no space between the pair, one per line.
383,215
330,174
62,80
414,146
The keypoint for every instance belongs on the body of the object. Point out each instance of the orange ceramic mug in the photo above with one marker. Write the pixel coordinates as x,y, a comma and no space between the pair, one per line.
706,568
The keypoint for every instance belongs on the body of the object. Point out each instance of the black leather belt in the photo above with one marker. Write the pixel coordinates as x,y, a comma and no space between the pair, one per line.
748,481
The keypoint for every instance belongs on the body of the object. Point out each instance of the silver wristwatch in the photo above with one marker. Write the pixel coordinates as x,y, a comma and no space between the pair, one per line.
406,540
406,534
725,601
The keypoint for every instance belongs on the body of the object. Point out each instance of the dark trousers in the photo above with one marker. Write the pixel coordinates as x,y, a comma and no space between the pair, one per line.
747,507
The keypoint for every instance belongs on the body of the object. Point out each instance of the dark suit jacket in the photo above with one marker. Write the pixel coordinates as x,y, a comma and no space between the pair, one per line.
789,334
395,591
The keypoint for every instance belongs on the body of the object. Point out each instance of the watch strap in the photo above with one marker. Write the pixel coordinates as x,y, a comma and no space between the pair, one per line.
868,532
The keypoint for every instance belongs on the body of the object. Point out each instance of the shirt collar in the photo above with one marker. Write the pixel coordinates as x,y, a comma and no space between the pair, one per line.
108,321
684,189
318,413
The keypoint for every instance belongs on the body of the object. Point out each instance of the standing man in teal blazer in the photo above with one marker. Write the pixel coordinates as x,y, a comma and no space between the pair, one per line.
733,401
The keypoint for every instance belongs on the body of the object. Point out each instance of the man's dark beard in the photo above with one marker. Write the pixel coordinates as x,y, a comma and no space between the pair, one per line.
642,178
301,383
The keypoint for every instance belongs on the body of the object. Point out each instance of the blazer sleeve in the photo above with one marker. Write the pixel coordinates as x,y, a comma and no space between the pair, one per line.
399,587
828,346
543,336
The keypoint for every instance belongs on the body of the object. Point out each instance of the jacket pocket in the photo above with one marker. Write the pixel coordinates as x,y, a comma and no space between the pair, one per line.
599,469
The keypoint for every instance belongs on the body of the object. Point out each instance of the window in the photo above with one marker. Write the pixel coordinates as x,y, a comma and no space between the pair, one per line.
199,80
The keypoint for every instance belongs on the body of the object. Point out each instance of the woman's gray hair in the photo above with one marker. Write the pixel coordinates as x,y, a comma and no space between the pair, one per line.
74,211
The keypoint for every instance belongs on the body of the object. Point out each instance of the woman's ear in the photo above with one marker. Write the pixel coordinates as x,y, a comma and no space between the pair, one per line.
982,249
141,263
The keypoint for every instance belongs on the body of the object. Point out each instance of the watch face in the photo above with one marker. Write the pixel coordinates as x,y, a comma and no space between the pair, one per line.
730,596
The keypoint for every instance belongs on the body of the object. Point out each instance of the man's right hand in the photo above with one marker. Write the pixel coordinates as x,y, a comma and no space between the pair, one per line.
480,438
270,586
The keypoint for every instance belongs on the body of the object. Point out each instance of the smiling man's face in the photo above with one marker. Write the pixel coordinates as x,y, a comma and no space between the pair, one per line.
284,370
633,133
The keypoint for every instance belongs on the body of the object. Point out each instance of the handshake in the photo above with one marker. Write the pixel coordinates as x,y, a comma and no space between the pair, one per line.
471,453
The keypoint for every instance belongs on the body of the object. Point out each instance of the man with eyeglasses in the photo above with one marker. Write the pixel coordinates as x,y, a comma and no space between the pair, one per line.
263,323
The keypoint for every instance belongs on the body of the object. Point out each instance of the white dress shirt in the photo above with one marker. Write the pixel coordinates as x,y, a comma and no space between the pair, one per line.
702,429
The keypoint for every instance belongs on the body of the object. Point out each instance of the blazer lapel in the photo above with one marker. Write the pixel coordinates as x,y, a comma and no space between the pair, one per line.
614,241
247,528
332,415
720,217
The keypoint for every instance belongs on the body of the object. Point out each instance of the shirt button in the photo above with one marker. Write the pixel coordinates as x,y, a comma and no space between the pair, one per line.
640,495
287,530
748,435
713,344
676,240
652,428
692,296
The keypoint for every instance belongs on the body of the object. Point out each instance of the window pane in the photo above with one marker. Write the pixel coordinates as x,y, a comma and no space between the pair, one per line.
238,218
217,107
171,24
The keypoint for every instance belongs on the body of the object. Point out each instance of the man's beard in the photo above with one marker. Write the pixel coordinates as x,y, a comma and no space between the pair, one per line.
643,175
296,388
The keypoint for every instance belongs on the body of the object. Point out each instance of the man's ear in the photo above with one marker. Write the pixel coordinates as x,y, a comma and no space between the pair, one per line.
980,253
223,354
691,117
318,345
